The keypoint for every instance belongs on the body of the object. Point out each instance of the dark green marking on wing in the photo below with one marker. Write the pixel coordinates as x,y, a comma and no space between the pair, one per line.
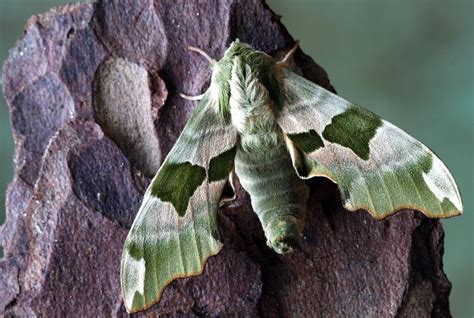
353,129
221,166
134,249
307,141
176,183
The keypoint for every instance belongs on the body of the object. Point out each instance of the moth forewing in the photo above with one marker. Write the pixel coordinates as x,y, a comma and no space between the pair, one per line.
175,230
378,167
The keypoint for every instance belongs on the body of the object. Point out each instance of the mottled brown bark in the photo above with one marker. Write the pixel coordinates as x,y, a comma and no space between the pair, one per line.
79,179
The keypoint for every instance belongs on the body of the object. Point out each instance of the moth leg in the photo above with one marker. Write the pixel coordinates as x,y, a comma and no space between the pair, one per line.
189,97
206,56
284,61
228,194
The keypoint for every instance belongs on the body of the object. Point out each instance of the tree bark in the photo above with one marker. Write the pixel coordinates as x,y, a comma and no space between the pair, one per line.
93,96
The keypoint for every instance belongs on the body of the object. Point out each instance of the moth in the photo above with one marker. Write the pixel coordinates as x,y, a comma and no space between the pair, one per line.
273,129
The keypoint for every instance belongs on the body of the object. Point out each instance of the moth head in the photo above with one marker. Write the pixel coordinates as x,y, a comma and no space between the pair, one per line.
262,65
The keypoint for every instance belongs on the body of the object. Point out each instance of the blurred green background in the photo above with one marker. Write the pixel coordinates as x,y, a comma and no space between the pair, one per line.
409,61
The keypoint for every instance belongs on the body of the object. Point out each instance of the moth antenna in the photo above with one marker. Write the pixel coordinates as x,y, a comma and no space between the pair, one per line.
206,56
189,97
285,59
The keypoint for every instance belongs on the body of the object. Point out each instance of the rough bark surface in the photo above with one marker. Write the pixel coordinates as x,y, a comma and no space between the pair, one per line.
78,184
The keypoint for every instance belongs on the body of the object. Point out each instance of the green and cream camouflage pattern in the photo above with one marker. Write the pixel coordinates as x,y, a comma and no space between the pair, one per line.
273,129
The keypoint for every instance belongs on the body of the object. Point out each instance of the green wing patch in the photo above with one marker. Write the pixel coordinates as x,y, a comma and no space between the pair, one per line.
353,129
307,141
221,166
176,183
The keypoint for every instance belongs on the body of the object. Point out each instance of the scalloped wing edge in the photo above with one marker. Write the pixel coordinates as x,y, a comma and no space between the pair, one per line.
298,158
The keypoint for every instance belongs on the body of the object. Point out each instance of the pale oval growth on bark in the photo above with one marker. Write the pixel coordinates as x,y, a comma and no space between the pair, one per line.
123,107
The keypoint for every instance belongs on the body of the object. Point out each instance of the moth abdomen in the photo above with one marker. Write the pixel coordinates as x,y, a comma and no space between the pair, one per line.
284,233
277,195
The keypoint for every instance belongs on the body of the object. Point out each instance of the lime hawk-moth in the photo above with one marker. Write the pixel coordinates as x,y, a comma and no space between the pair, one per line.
273,129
